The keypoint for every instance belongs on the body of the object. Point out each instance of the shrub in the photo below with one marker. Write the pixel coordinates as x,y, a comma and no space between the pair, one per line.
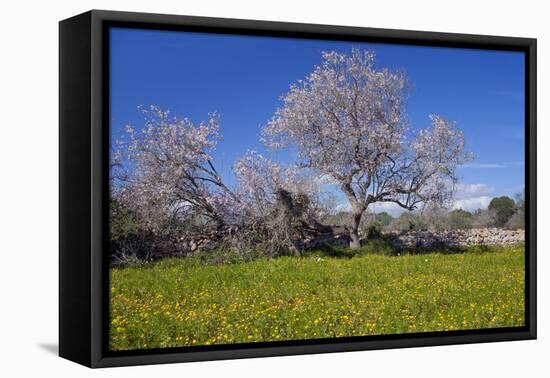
374,231
479,248
377,246
517,221
504,207
128,242
227,256
460,219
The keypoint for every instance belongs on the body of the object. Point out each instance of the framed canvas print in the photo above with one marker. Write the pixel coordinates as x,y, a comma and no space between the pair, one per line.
233,188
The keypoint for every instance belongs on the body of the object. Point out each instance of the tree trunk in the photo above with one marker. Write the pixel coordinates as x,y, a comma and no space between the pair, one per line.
355,243
358,207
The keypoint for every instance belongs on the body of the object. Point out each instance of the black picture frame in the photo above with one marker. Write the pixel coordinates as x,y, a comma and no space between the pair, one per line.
83,180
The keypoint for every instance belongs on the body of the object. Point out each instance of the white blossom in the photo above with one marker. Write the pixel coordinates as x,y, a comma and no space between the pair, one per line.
171,169
347,120
260,178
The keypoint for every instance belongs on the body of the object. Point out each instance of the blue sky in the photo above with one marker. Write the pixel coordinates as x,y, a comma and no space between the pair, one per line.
243,77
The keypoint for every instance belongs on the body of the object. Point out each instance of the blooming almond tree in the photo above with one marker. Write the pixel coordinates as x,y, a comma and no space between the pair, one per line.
347,121
261,179
277,201
170,171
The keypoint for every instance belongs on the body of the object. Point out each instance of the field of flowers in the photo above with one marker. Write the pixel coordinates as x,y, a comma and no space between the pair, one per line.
181,302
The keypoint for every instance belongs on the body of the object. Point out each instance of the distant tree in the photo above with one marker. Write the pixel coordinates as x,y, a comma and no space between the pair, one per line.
503,207
517,221
482,218
434,218
347,121
374,221
384,218
405,222
128,240
340,218
460,219
520,200
122,220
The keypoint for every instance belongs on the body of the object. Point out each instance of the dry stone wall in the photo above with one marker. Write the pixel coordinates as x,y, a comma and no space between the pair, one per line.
483,236
338,236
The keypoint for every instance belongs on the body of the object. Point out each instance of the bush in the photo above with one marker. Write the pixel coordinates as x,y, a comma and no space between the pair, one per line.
128,242
460,219
479,248
377,246
226,256
131,247
123,221
504,207
405,222
374,231
517,221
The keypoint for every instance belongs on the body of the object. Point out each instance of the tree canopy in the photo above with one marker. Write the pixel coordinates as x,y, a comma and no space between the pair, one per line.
504,207
347,121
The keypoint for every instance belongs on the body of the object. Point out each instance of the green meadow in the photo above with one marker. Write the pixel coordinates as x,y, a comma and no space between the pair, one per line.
183,301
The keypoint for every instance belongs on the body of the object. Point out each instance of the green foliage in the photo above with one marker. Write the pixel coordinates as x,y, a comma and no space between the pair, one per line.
517,220
504,207
405,222
374,246
341,217
384,218
123,222
130,244
180,301
229,256
374,231
482,249
520,200
379,221
328,250
460,219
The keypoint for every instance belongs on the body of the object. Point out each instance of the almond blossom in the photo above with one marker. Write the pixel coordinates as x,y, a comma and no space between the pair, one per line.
347,120
260,179
169,168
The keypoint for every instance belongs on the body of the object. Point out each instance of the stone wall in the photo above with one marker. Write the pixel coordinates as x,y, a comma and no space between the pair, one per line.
338,236
483,236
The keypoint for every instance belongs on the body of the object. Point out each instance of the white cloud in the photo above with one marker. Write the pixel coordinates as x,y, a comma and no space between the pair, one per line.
471,197
494,165
472,204
472,190
484,165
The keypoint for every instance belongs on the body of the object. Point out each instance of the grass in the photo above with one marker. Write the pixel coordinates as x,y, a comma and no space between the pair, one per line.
181,302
